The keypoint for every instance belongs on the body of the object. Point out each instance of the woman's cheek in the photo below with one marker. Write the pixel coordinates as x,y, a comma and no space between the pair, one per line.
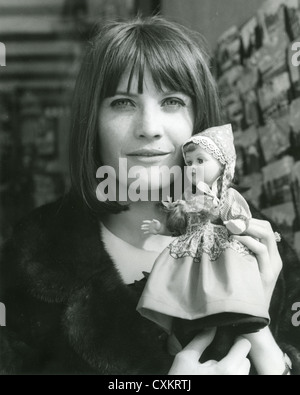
182,130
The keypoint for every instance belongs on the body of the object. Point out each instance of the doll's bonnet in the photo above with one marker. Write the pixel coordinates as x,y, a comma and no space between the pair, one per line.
219,142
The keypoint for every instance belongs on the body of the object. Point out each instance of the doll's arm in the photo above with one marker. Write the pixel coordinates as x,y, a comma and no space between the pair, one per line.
235,213
154,227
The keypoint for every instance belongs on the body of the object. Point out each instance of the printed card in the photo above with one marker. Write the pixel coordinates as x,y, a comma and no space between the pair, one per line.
277,177
250,37
284,216
275,137
229,49
251,149
274,94
254,185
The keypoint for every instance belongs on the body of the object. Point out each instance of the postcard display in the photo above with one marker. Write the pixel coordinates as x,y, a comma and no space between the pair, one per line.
260,92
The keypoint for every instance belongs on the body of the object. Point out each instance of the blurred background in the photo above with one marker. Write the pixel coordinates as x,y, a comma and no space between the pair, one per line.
251,49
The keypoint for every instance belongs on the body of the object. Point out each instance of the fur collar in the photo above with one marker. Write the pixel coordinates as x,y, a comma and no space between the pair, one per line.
62,260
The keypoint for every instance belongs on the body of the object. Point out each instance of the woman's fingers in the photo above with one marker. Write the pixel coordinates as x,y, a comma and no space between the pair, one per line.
235,363
263,231
244,368
269,264
198,345
259,249
236,360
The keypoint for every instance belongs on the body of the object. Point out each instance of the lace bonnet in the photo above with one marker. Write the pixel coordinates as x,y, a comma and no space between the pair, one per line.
219,142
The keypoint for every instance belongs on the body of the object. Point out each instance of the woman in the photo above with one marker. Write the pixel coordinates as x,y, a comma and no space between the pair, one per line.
70,273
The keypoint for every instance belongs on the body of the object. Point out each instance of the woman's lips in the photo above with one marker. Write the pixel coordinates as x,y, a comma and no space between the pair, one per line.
148,152
148,156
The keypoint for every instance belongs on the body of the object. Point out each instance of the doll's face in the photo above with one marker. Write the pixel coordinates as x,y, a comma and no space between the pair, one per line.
147,129
208,166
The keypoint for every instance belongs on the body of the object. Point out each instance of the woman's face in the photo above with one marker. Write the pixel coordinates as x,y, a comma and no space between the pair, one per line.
146,129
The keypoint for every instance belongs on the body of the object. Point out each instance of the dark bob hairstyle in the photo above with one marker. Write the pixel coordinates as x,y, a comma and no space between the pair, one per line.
177,60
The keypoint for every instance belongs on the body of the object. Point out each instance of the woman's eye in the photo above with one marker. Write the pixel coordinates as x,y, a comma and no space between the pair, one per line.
173,102
189,163
122,103
200,161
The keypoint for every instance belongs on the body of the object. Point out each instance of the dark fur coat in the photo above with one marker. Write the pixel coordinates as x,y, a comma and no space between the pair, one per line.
68,311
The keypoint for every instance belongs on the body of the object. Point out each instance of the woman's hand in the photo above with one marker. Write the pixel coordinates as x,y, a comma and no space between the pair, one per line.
152,227
265,354
260,239
186,362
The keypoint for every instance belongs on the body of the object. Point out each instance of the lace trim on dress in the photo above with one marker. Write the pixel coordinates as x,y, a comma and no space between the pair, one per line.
209,238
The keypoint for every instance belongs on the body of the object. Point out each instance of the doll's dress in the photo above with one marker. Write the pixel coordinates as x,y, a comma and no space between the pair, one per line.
205,277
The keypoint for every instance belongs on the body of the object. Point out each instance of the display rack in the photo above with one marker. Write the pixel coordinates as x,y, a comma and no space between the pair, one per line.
260,92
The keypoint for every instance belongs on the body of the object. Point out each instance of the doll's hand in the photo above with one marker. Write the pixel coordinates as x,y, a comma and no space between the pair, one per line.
152,227
187,362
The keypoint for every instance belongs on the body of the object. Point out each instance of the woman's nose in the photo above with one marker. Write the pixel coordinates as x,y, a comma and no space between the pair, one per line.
149,125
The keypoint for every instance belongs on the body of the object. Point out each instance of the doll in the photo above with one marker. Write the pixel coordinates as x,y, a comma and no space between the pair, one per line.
205,277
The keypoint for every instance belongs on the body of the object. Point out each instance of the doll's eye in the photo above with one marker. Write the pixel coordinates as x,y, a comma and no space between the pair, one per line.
189,163
200,160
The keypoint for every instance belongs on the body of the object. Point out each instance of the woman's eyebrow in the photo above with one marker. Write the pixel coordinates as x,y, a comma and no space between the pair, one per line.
124,93
172,92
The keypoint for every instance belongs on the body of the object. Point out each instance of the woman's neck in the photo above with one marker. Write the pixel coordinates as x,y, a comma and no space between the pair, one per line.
127,224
